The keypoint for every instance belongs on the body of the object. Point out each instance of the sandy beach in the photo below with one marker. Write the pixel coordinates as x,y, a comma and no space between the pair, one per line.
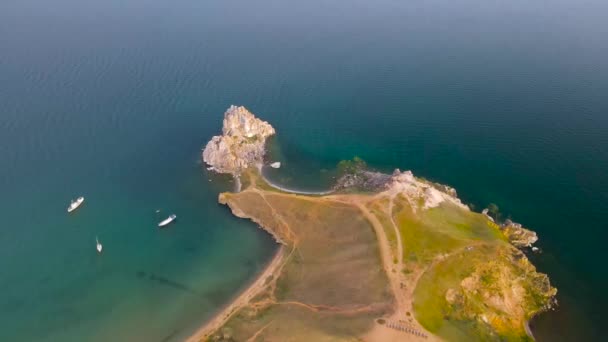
242,299
291,191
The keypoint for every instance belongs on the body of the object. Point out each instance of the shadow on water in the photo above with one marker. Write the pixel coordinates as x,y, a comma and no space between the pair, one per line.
211,297
170,336
165,281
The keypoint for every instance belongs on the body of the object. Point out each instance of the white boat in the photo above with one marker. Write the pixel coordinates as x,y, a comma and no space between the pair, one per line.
167,220
275,165
99,245
75,204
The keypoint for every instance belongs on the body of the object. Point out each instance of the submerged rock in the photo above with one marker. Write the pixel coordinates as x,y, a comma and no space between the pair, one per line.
242,143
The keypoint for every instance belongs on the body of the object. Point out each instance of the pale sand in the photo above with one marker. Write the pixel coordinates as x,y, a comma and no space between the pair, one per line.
241,300
291,191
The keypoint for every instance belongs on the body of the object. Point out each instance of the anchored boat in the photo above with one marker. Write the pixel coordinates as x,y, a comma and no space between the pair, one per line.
75,204
167,220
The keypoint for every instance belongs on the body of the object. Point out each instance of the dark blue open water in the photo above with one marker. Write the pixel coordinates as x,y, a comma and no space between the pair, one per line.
505,100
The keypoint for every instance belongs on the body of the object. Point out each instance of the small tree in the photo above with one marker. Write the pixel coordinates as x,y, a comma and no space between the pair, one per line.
351,166
494,210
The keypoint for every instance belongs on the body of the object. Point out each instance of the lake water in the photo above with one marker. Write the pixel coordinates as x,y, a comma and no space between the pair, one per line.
113,100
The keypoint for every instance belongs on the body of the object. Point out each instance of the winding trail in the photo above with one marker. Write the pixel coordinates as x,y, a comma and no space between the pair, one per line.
403,300
397,233
385,251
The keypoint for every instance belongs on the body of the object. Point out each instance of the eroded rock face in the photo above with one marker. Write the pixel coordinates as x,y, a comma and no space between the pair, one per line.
242,143
518,235
363,181
502,292
416,190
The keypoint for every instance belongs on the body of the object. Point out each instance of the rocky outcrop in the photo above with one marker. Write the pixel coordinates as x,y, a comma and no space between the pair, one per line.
485,213
518,235
502,292
362,180
418,191
242,143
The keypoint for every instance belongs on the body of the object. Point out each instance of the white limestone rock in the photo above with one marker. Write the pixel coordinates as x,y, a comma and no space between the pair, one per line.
242,144
414,190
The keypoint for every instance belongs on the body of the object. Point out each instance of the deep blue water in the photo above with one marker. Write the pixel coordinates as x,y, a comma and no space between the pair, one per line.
506,101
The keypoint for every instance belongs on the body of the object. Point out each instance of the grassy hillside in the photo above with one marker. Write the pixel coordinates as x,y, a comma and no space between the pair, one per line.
354,261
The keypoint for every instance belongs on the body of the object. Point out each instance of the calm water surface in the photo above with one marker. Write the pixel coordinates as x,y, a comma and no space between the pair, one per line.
113,100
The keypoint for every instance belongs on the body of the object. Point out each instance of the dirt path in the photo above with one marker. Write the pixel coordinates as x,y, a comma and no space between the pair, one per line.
402,287
385,251
403,298
397,234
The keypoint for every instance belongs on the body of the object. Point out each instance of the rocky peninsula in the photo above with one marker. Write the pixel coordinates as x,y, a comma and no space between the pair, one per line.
242,143
383,258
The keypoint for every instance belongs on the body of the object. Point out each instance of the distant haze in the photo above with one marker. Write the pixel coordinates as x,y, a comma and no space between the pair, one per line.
112,100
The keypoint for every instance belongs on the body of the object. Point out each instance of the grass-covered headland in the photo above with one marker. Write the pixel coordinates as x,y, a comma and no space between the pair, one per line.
406,262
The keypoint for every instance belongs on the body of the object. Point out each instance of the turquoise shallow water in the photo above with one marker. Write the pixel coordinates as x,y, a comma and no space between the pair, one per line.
113,100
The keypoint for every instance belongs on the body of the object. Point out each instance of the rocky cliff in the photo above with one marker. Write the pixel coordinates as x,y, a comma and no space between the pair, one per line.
518,235
419,192
242,143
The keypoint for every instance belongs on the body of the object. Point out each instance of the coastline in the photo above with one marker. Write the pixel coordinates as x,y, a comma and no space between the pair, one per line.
222,316
278,210
251,290
291,191
528,329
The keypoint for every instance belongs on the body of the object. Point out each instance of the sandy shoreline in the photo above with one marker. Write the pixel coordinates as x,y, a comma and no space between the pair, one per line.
221,317
291,191
240,300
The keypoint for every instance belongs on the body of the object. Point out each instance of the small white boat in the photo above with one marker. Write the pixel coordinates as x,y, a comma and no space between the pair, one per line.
167,220
275,165
75,204
99,245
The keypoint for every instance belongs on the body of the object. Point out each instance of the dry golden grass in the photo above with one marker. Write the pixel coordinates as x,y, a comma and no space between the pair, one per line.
332,285
352,258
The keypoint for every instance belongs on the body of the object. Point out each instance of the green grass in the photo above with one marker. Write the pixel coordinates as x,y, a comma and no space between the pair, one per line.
458,320
459,223
337,264
432,309
422,241
377,209
453,242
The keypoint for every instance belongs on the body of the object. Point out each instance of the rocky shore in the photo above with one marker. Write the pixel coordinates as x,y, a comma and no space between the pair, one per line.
416,190
242,143
519,236
440,265
358,178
